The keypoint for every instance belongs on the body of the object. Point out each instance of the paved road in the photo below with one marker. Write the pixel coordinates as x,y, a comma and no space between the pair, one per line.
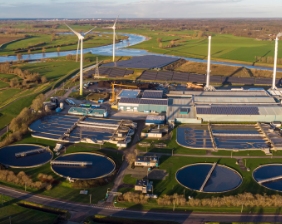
79,211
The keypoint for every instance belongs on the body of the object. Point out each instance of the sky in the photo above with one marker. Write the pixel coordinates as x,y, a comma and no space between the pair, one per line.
140,8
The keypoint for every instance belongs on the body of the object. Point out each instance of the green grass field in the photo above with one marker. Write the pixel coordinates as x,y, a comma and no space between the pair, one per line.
11,211
3,84
8,76
224,46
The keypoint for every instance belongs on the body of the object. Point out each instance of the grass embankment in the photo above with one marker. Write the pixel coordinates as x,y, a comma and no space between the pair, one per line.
15,211
62,189
223,70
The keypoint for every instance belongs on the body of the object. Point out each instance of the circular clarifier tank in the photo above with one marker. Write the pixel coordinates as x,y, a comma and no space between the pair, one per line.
269,176
208,178
25,155
83,166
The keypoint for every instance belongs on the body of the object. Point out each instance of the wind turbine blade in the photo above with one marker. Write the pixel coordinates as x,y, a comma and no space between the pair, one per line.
76,33
89,31
77,50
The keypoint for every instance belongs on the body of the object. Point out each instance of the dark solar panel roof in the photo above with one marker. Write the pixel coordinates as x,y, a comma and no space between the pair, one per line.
130,100
228,110
153,101
111,72
145,62
153,94
191,77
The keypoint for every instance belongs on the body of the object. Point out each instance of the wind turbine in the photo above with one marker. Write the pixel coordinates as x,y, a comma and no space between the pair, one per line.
275,61
80,39
208,87
114,38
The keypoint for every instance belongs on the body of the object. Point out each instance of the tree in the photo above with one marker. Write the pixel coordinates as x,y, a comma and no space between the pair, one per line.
19,56
131,156
37,103
44,79
14,82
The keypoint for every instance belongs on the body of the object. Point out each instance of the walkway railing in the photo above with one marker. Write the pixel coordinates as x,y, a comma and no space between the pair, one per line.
29,152
72,163
207,177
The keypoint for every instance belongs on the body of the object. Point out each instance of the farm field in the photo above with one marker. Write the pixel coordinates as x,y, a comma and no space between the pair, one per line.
224,46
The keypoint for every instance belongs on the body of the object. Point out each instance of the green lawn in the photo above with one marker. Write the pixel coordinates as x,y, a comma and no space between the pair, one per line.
8,76
11,211
3,84
8,93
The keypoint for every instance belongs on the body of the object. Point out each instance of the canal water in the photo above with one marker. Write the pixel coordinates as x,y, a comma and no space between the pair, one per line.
222,178
101,166
269,171
8,158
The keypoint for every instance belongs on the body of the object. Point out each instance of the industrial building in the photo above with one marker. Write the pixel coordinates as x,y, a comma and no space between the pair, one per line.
144,186
151,102
222,106
75,129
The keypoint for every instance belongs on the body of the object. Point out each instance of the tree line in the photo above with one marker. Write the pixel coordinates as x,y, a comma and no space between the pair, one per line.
245,199
24,180
19,125
26,76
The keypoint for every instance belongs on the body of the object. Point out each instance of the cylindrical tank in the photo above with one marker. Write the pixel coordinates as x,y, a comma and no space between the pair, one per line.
58,109
62,105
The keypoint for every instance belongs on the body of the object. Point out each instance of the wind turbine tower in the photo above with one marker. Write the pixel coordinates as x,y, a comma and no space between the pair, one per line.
114,39
275,61
80,40
208,87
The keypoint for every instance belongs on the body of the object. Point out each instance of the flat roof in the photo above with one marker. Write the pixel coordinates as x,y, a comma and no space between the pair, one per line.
129,93
155,117
137,101
232,99
221,93
153,94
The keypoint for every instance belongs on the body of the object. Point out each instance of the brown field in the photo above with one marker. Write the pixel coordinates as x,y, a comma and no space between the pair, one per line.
201,68
5,38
